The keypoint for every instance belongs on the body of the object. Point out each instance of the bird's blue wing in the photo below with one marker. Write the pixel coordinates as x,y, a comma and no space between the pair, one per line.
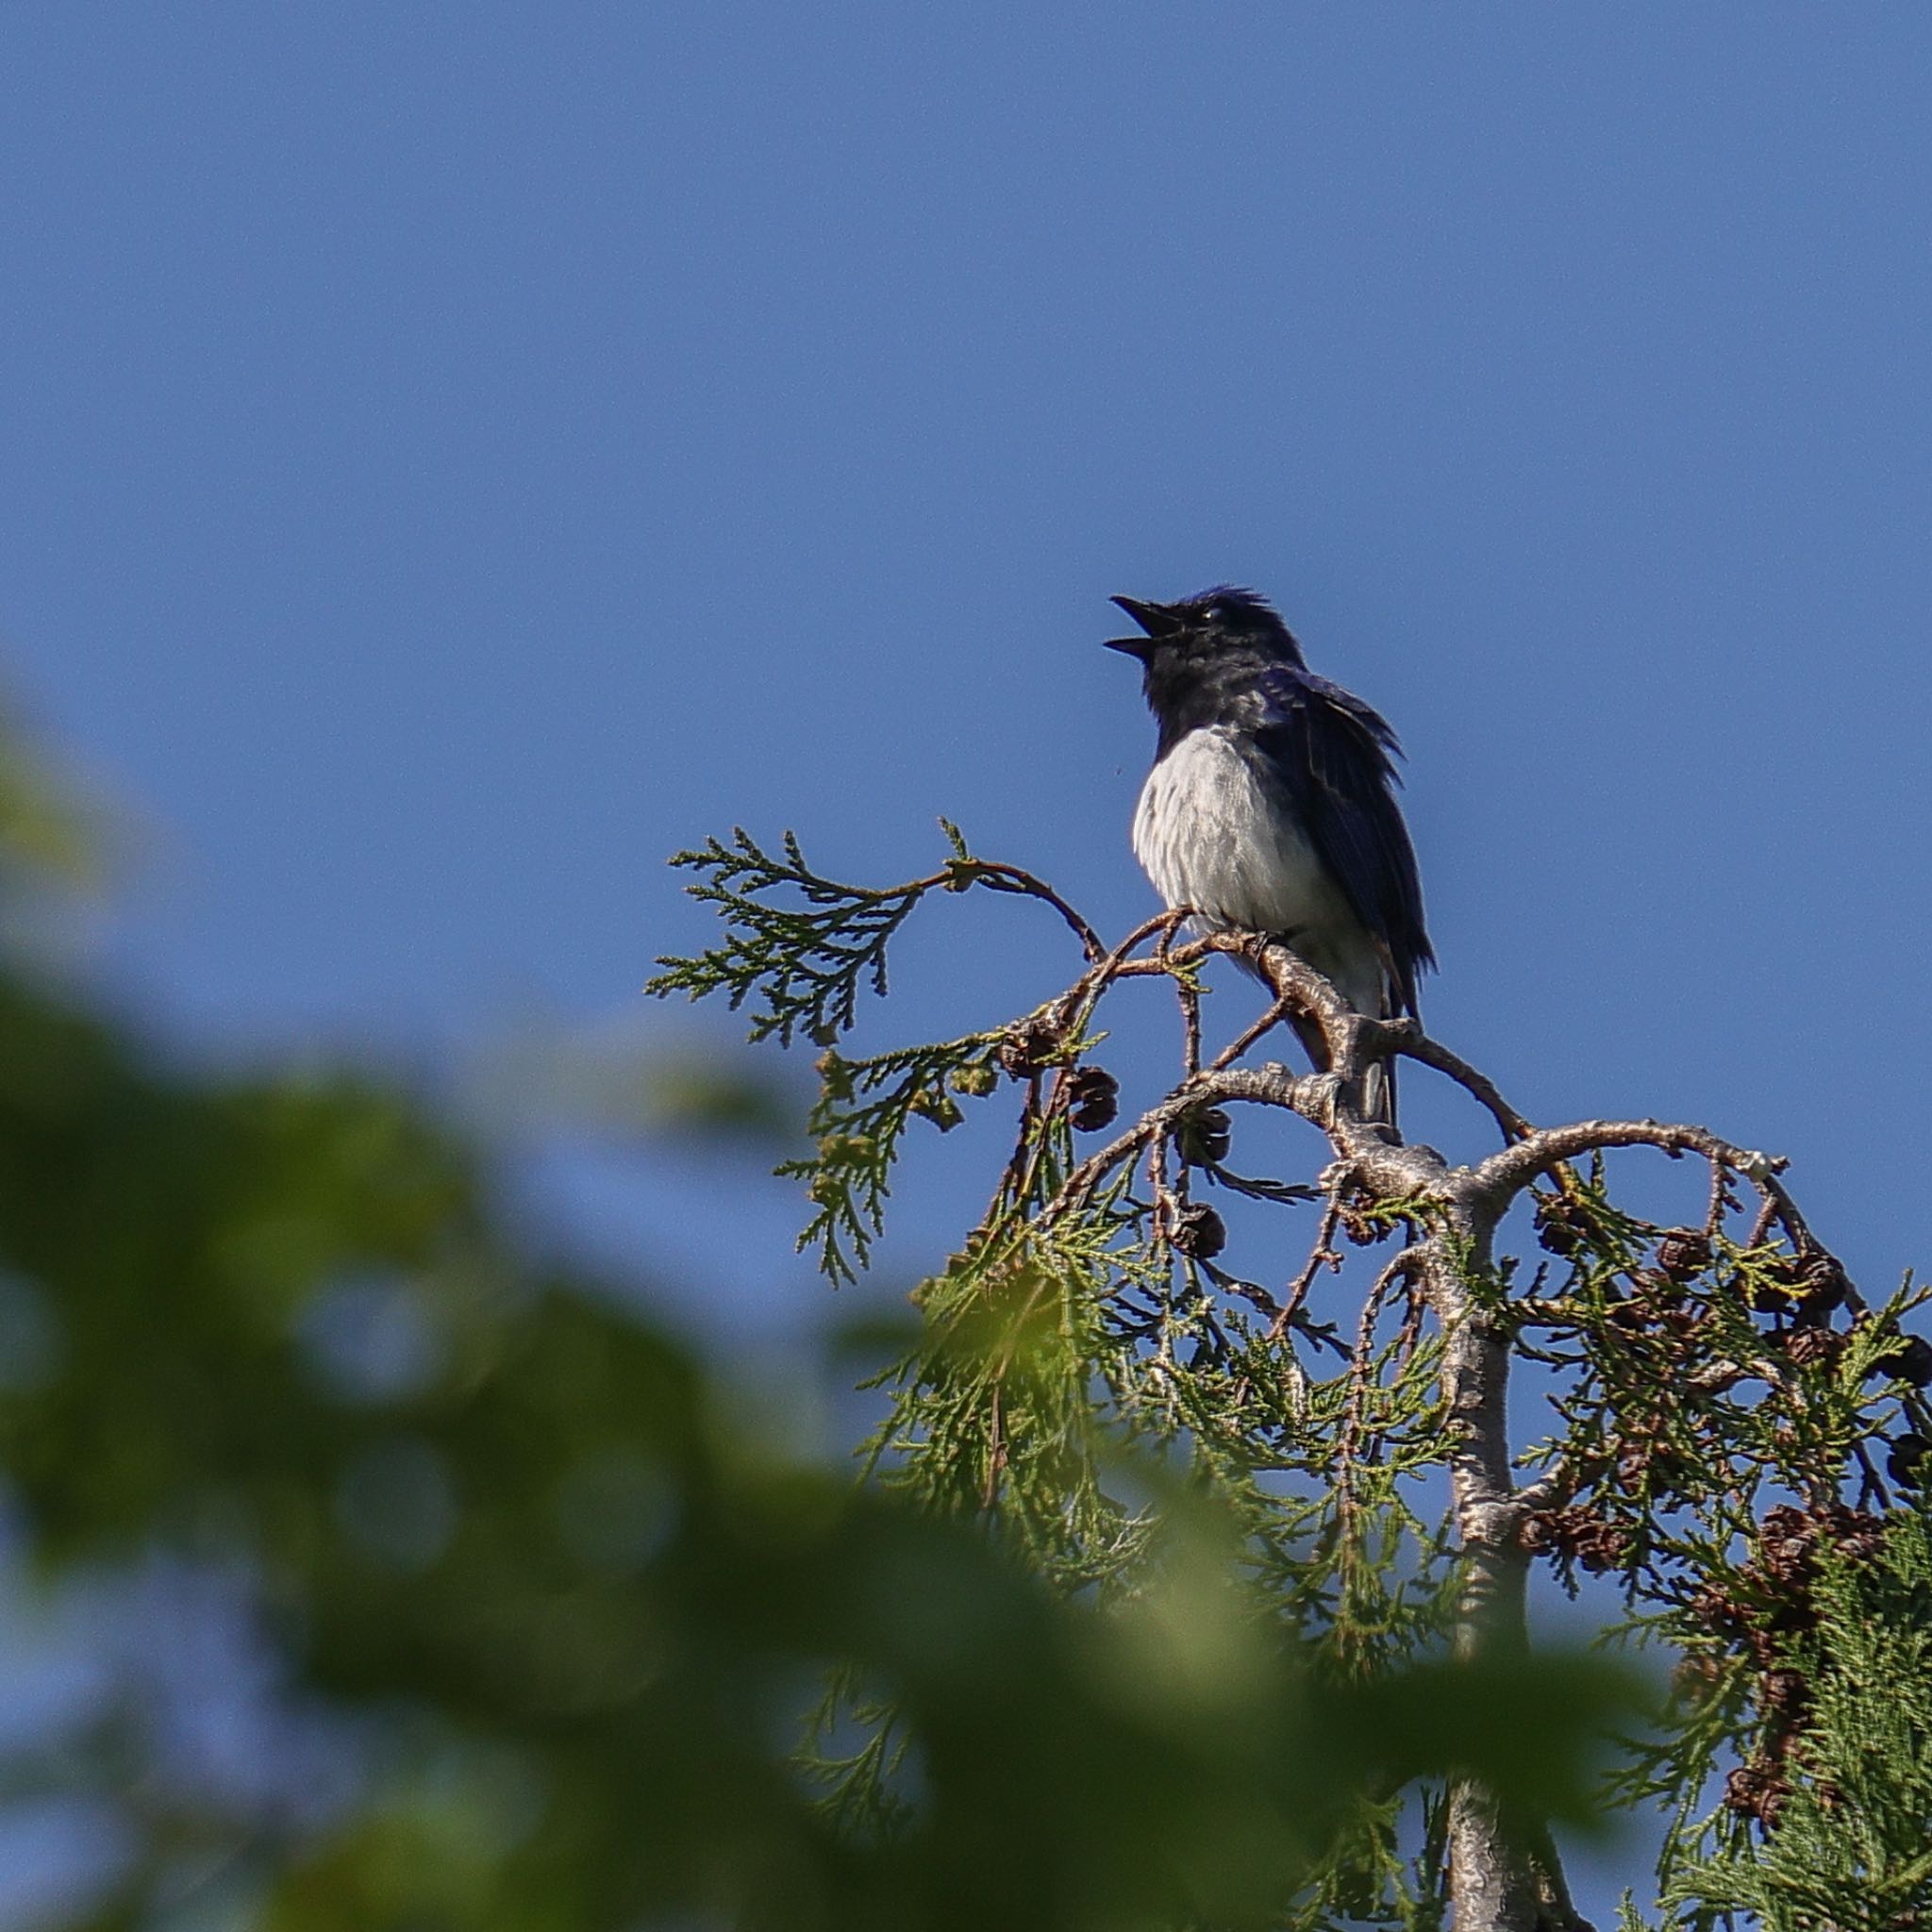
1334,758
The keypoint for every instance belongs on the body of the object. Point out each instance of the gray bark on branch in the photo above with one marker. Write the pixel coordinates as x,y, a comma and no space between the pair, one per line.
1505,1873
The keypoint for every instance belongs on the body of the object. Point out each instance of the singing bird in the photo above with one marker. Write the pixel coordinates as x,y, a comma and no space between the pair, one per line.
1271,806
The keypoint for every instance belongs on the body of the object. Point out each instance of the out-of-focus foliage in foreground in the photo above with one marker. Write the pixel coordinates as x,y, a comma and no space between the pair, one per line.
546,1609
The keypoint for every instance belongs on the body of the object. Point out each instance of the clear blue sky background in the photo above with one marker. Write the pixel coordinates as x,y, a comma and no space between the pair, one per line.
455,455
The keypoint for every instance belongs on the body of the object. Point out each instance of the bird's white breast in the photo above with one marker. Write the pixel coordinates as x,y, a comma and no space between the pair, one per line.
1208,835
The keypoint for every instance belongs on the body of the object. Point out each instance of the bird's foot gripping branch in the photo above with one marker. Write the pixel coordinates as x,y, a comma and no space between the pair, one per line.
1727,1433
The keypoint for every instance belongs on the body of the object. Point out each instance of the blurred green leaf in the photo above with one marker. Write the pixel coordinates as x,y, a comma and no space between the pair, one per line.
625,1085
564,1599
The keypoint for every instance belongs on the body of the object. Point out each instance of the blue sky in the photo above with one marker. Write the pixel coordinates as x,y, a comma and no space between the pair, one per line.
457,455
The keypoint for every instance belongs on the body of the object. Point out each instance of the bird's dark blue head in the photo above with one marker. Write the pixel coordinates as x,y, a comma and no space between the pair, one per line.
1202,656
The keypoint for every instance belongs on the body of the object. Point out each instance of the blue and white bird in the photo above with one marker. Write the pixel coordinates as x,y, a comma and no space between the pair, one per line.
1272,808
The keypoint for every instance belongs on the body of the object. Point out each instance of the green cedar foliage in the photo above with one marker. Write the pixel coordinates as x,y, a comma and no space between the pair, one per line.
556,1600
1736,1439
1840,1719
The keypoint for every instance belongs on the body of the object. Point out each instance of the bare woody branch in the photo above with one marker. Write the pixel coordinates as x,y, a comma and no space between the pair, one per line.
1505,1877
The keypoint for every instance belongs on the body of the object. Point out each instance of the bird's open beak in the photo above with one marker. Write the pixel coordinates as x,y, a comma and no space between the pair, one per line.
1158,620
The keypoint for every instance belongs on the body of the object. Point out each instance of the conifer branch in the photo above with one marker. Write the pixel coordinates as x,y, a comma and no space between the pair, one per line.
803,945
1721,1389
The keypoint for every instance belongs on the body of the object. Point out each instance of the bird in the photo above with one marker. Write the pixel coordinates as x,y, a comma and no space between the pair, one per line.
1271,807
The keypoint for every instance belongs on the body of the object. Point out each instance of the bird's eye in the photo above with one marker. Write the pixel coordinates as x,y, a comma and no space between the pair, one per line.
1213,615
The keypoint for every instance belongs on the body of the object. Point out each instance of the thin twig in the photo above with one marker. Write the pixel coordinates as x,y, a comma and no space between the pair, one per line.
1360,1369
1000,877
1322,1252
1407,1038
1273,1018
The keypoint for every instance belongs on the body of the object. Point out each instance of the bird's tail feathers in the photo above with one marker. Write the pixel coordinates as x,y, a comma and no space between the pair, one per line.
1378,1094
